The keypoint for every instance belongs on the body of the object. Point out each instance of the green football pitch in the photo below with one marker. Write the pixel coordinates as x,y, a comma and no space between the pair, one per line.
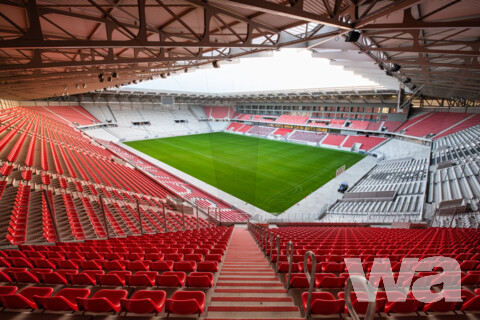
270,175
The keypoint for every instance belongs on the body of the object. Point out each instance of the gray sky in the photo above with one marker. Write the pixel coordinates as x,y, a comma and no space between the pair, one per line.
287,69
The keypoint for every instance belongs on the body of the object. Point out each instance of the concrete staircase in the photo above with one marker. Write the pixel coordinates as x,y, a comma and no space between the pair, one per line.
247,287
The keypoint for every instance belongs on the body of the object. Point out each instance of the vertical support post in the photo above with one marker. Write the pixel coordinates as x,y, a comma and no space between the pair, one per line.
139,217
100,199
290,262
271,245
52,217
311,279
183,216
372,305
165,230
278,253
196,209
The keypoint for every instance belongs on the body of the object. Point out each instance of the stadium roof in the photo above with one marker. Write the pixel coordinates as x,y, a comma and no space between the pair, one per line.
61,47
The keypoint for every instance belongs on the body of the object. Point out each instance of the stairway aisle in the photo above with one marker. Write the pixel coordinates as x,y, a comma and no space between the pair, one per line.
247,287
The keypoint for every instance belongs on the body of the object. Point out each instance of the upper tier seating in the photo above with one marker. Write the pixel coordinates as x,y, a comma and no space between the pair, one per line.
374,126
282,131
242,116
358,124
367,142
219,112
334,139
413,120
234,126
244,129
473,120
261,131
292,119
308,136
434,123
73,114
392,126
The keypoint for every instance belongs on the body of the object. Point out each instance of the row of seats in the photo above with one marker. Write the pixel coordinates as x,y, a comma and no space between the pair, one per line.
325,303
105,300
162,274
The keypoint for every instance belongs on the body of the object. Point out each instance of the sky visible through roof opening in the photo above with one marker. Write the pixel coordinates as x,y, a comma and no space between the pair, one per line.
286,69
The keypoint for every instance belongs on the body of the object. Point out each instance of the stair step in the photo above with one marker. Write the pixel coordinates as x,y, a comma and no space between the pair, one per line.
247,278
254,315
252,309
259,299
249,284
248,304
251,290
247,273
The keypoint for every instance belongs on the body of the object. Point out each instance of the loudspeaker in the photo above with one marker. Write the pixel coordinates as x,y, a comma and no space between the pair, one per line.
352,36
396,67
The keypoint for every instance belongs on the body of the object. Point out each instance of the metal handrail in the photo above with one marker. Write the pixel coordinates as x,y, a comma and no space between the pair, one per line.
310,278
265,240
271,246
290,262
278,253
372,305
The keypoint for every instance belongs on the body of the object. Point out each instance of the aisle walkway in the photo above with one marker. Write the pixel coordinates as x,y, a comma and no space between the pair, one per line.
247,287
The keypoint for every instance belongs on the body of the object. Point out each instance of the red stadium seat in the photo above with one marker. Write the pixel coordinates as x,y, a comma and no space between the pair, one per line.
194,257
299,280
4,290
138,265
114,265
200,279
85,278
5,277
24,299
91,265
53,278
145,301
103,301
20,262
472,305
142,278
213,257
408,306
24,277
186,302
43,263
64,300
187,266
67,264
208,266
113,278
162,265
174,256
323,303
171,279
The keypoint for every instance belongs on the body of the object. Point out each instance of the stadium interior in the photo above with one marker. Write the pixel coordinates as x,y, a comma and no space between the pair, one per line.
93,228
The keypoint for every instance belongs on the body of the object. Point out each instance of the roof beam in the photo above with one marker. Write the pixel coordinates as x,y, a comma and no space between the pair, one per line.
468,23
285,11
